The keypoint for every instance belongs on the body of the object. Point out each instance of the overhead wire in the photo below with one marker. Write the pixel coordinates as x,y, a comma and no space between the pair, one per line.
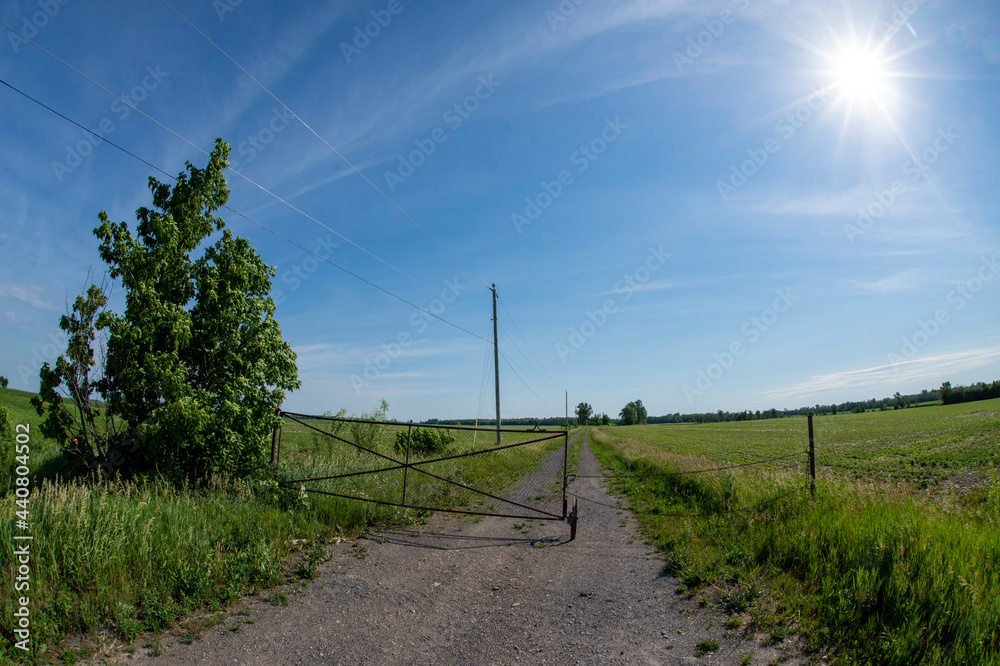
526,343
482,382
246,217
327,143
204,152
518,375
535,374
274,195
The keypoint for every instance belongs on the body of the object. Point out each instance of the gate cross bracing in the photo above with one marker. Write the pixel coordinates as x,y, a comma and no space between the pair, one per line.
509,473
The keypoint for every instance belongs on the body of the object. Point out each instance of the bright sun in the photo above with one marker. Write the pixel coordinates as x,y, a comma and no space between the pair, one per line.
860,75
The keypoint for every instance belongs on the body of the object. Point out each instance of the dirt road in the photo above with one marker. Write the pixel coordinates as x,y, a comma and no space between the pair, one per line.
462,592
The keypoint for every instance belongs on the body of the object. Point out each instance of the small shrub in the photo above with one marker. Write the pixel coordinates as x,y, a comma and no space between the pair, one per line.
424,441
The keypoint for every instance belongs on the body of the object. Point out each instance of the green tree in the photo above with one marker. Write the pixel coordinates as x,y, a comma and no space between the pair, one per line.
628,415
91,437
605,420
833,410
196,365
3,382
641,415
583,412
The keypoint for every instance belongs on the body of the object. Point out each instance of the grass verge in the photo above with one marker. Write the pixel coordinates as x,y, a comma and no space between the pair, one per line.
873,573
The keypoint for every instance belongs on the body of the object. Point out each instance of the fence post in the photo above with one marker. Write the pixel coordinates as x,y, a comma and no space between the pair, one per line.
406,469
274,442
812,459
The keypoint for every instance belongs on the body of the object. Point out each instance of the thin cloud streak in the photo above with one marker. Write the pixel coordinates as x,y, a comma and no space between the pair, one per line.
885,377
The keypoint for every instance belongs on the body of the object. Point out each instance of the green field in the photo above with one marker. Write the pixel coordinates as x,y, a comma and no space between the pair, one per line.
895,561
926,446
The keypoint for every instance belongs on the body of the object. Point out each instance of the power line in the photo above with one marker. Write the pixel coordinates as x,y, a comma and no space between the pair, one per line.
247,218
527,344
529,366
485,378
327,143
201,150
509,365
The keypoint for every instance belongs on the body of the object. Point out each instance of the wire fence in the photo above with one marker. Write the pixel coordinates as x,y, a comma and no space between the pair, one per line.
661,514
811,484
684,472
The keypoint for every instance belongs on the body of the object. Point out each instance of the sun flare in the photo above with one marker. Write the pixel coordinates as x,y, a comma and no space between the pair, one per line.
860,75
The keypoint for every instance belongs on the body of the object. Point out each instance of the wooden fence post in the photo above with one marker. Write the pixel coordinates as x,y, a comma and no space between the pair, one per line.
812,459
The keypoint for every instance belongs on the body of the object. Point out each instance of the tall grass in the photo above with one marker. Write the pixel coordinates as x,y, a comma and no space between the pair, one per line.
128,557
878,573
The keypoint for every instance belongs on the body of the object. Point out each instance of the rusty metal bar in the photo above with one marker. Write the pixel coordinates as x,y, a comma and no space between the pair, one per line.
422,462
545,514
419,425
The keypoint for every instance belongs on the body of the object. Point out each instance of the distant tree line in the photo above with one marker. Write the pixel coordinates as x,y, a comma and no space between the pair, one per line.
979,391
635,413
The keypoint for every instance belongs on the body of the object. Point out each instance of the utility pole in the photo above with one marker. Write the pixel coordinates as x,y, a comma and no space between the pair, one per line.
496,358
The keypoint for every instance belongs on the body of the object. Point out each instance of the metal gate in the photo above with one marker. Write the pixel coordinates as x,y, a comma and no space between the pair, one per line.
458,469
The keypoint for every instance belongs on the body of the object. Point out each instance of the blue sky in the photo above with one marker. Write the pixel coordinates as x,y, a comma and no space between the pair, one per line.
703,205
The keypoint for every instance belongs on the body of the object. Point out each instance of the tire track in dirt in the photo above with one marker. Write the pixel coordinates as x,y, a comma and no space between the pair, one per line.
458,591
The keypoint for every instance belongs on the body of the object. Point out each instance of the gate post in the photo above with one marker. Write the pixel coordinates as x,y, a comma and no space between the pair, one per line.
274,441
406,469
565,473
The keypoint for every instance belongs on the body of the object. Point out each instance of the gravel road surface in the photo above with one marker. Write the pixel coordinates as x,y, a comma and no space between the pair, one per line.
458,591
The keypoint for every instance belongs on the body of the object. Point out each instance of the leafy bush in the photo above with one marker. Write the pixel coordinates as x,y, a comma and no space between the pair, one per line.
424,441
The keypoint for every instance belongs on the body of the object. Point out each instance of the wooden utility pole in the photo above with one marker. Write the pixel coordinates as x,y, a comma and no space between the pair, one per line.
496,358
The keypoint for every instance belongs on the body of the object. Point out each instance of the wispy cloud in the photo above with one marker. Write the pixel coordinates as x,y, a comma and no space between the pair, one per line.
886,377
907,280
32,294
